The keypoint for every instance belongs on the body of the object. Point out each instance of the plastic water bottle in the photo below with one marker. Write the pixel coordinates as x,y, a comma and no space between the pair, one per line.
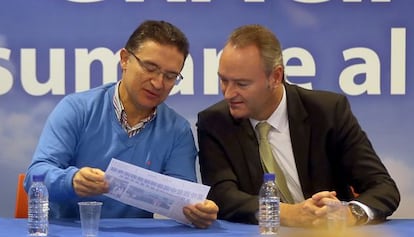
268,216
38,213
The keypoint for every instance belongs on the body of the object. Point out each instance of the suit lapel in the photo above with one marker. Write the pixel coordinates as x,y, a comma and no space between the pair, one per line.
249,145
300,137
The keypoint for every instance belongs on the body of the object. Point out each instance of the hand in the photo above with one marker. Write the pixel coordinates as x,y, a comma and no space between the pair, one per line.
309,213
201,215
90,182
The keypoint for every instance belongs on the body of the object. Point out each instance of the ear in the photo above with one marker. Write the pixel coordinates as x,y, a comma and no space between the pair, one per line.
276,77
124,57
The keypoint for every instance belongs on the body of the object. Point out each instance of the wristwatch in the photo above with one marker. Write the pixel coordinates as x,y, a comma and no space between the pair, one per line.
359,214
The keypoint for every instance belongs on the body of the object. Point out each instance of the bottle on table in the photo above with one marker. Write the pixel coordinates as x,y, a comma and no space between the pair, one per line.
38,207
269,200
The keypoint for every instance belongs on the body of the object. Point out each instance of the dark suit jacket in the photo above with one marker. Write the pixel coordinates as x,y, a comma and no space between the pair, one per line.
331,153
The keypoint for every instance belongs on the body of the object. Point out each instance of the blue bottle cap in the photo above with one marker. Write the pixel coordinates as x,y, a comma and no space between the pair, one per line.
38,178
269,177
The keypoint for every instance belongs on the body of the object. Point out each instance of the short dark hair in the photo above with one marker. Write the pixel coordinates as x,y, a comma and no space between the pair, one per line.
160,32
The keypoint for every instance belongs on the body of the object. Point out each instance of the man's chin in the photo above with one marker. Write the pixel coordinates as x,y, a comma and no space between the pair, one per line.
237,114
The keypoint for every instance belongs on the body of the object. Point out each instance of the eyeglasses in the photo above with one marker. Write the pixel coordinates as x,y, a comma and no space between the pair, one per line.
170,77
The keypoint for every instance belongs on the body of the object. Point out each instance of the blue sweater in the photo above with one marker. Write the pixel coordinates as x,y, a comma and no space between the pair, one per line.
83,130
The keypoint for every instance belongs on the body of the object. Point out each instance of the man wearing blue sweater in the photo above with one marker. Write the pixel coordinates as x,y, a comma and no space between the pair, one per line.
127,120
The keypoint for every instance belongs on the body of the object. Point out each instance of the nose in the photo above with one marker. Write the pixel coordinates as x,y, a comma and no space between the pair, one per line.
229,91
157,80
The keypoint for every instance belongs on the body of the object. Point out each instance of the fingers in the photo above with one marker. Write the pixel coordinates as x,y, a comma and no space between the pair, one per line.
324,194
298,215
311,208
201,215
208,207
312,215
314,211
89,182
320,201
93,174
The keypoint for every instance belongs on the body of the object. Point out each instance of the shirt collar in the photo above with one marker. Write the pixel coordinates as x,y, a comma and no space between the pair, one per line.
119,107
122,118
279,118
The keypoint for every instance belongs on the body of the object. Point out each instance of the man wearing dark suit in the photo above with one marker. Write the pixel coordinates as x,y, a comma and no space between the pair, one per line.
316,140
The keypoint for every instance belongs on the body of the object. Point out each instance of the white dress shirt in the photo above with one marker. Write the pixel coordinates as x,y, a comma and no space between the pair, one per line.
279,139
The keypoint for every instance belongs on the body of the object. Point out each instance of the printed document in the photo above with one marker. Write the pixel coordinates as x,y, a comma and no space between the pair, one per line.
151,191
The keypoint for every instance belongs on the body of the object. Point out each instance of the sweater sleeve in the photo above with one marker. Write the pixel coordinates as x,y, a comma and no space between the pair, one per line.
56,149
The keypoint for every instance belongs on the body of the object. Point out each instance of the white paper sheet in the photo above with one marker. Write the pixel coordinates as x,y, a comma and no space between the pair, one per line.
151,191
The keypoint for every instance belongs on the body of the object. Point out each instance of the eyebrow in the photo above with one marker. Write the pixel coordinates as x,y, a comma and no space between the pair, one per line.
158,66
233,79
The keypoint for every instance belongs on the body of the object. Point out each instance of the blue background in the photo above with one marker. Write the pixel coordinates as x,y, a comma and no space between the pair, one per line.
324,30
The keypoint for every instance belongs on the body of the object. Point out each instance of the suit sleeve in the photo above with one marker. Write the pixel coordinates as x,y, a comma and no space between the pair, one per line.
367,174
218,170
